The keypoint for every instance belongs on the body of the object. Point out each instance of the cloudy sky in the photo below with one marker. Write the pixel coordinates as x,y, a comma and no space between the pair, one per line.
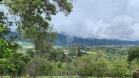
101,19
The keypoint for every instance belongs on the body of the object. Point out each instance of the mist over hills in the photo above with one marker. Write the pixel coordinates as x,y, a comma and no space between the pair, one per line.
66,40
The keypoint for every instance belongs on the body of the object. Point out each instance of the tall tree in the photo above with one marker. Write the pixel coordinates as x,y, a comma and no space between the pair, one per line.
34,21
35,17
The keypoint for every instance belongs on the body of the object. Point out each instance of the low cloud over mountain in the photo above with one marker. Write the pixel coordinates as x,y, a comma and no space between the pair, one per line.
101,19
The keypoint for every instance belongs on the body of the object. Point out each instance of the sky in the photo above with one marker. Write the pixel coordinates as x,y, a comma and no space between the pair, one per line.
100,19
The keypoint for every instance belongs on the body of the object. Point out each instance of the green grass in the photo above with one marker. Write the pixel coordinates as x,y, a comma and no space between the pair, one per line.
57,77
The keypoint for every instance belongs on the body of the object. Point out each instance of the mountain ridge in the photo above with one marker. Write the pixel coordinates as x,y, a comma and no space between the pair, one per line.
63,39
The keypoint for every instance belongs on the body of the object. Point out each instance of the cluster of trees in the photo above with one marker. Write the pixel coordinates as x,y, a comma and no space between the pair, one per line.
98,63
34,18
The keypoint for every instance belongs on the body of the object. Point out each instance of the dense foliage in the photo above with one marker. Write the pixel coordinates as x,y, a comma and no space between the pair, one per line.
11,61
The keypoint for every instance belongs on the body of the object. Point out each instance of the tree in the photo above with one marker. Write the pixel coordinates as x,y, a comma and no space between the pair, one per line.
34,23
39,66
10,60
35,16
5,50
133,54
17,64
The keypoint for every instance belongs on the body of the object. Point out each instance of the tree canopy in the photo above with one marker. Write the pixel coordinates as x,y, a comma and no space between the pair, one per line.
34,23
35,17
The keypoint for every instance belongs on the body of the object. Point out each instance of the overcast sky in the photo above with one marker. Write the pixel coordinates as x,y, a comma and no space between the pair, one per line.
101,19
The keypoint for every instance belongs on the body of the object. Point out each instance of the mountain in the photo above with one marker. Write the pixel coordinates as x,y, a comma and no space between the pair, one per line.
67,40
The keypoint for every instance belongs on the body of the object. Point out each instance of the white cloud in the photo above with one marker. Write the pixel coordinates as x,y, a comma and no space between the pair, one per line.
101,19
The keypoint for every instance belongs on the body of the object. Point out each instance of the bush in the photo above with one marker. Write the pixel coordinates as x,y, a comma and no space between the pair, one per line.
39,66
99,65
92,65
